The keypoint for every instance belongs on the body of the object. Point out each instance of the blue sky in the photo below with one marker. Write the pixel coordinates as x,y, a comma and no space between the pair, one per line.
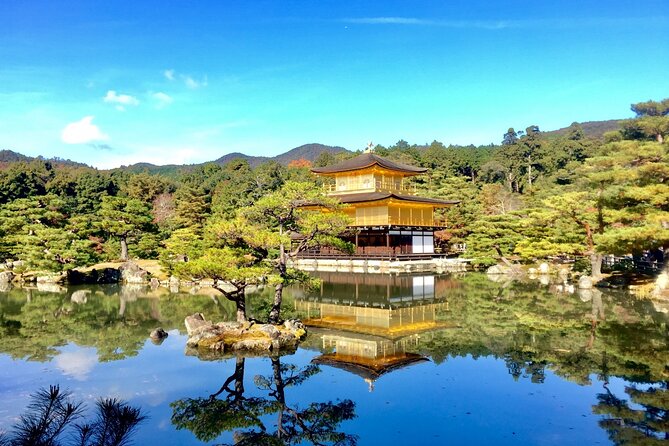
114,82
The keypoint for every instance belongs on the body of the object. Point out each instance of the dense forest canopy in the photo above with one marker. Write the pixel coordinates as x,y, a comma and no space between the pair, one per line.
533,196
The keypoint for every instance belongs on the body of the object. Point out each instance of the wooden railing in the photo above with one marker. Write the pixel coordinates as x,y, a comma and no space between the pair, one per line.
391,221
378,185
368,253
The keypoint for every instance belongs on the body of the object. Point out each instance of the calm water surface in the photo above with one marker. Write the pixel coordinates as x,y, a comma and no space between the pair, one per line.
389,360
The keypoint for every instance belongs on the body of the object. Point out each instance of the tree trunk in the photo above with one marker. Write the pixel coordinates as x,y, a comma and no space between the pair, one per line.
239,298
659,138
239,376
240,301
275,312
596,263
124,249
279,394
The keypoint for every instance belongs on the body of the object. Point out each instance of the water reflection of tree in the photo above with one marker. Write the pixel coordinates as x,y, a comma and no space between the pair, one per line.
115,320
576,336
533,328
52,416
646,425
317,424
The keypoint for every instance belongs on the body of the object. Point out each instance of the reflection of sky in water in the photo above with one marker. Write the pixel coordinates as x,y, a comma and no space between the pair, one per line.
77,363
459,401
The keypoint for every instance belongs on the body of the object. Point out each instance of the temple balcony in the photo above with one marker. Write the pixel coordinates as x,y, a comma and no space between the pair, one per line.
358,185
388,220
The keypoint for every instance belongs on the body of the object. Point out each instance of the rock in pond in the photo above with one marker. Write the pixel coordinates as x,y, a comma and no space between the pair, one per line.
80,296
247,337
158,335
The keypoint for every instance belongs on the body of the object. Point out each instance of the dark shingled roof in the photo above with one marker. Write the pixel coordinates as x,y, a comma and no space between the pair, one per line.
377,196
368,160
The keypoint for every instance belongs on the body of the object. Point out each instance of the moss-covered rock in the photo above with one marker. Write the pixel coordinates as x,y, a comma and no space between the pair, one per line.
232,337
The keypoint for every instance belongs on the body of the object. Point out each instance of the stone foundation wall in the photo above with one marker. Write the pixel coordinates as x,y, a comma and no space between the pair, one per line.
381,266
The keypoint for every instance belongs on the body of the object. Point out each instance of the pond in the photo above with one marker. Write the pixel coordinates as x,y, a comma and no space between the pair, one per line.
422,359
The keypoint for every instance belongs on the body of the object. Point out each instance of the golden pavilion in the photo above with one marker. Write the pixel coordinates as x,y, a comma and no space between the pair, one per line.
372,324
389,219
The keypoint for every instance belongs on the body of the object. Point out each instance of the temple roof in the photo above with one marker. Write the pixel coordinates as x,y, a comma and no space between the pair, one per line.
377,196
368,160
369,369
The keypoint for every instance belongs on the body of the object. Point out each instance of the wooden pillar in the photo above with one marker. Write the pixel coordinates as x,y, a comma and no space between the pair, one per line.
356,241
388,242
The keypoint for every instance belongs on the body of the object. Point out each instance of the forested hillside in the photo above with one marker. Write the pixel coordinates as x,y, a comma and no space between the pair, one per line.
533,196
309,152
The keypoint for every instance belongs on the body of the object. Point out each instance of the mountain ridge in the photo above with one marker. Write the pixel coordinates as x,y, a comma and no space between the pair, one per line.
309,152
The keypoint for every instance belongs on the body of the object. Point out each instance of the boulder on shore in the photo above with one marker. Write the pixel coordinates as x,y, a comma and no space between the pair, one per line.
544,268
585,283
94,276
6,277
132,273
247,337
505,270
661,284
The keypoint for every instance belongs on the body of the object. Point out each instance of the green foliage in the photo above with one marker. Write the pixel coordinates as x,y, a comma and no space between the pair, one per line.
282,223
182,245
52,415
209,417
568,193
35,231
145,187
124,218
192,207
112,320
232,265
582,265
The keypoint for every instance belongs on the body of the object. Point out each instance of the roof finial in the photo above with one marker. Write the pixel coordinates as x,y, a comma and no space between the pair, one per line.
370,147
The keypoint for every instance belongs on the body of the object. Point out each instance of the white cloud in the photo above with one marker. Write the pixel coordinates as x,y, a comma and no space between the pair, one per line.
121,100
162,99
492,25
458,24
77,364
190,81
193,83
82,132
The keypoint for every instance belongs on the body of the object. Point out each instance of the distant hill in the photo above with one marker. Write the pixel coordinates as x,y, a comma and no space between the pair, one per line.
308,152
167,169
592,129
8,157
252,160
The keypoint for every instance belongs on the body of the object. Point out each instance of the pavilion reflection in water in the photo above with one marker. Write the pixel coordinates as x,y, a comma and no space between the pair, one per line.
370,324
